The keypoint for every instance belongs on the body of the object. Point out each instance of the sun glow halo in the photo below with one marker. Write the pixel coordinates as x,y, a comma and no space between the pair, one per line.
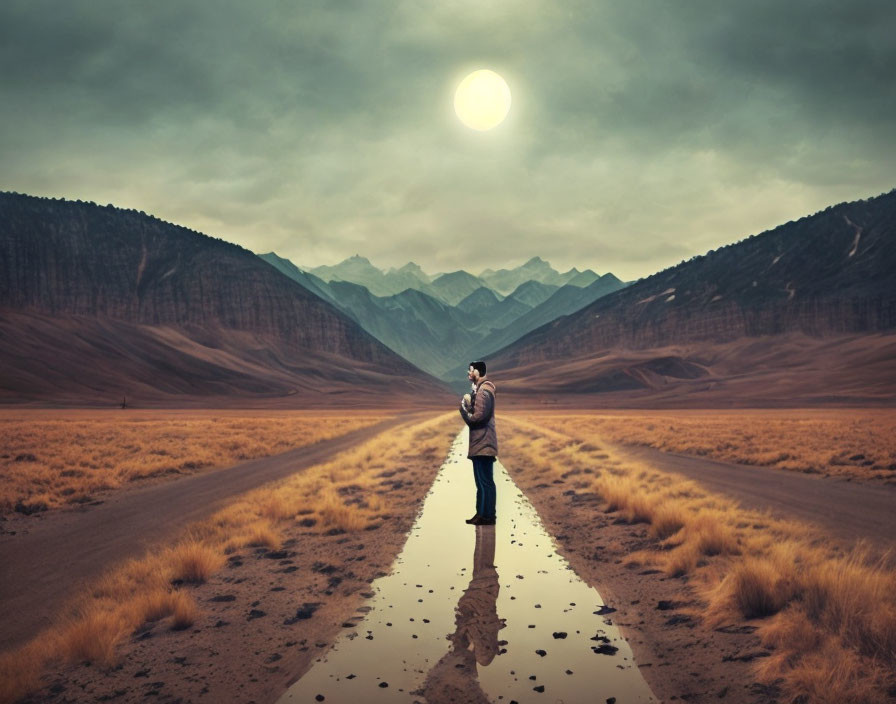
482,100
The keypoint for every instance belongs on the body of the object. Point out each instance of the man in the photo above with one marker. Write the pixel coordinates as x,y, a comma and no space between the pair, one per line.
479,415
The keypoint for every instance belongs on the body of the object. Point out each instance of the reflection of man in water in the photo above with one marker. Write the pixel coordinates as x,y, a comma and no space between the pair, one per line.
475,638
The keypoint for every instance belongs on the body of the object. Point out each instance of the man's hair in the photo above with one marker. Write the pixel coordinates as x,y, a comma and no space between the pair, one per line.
479,367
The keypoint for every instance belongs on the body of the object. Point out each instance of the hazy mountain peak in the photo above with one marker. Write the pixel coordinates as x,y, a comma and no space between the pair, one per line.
458,275
454,286
528,285
538,266
581,278
533,292
483,297
414,269
507,280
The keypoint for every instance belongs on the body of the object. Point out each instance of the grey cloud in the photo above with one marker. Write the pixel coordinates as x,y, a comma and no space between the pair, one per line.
641,132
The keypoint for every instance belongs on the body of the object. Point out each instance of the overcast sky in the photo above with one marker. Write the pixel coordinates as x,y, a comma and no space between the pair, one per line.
641,132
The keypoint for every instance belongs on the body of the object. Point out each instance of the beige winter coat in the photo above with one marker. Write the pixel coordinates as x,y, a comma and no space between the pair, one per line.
483,437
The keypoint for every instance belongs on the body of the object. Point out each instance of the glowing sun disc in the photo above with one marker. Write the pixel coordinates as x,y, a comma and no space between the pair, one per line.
482,100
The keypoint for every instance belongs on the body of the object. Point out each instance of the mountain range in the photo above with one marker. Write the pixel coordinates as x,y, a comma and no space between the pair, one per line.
536,269
450,287
99,303
801,314
445,320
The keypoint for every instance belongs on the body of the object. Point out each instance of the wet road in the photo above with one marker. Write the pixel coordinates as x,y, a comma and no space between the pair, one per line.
476,614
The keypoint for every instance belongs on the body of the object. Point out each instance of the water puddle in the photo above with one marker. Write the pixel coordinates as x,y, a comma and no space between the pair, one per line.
477,614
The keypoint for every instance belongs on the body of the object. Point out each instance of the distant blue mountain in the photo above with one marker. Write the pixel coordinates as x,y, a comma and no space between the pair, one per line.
437,322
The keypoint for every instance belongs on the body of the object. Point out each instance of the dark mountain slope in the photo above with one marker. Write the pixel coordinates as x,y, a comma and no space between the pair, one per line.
828,273
77,262
802,313
565,300
417,326
311,282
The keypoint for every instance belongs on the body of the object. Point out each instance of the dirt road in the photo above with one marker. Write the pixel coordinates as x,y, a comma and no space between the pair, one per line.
44,566
486,584
847,510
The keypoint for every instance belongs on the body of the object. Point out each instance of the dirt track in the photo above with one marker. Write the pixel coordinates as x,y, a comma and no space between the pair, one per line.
847,510
45,565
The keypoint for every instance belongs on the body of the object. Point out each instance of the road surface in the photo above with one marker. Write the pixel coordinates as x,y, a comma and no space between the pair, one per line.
847,510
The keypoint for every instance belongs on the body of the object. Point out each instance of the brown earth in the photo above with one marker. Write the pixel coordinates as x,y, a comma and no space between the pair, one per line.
264,618
778,371
257,598
849,501
82,361
52,459
663,610
846,510
45,560
850,444
679,657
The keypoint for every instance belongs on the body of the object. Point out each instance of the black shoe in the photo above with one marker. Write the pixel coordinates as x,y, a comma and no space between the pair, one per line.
486,522
474,521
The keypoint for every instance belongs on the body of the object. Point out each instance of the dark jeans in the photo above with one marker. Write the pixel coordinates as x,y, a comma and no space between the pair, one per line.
485,485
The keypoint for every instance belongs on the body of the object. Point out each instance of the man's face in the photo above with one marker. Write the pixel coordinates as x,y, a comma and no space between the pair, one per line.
472,374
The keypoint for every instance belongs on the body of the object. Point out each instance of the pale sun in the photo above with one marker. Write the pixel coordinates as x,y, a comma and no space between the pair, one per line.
482,100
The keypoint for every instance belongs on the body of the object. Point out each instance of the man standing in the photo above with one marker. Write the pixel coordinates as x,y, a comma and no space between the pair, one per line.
479,415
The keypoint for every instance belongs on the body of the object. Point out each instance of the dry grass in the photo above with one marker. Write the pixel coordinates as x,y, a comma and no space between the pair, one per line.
827,612
856,443
184,612
20,670
92,634
345,494
667,520
50,459
193,561
753,588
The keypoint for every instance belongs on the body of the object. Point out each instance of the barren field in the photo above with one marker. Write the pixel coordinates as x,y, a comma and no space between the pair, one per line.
55,458
718,601
858,444
161,624
822,616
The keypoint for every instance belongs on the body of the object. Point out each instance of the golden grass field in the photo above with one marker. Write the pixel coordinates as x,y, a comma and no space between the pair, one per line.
828,613
50,459
342,494
855,443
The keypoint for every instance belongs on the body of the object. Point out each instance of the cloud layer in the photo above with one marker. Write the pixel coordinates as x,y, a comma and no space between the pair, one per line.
641,133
